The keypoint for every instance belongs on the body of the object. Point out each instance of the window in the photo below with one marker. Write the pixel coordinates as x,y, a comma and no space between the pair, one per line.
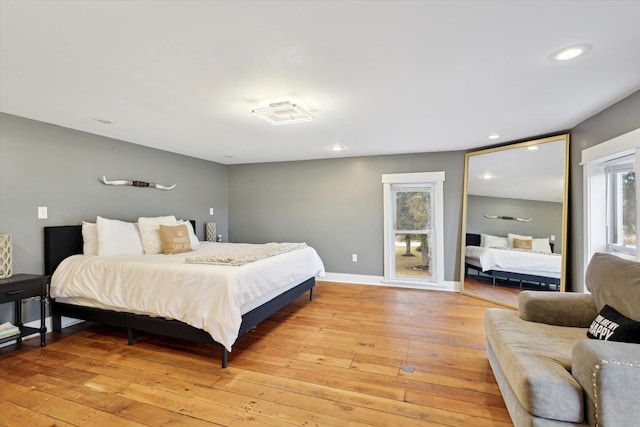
621,206
611,195
412,231
413,228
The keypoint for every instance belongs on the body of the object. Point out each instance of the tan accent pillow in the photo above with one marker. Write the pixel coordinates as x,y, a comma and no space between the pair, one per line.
175,239
523,244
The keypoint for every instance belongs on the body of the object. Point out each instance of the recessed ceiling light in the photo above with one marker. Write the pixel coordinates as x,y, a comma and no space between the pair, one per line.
532,147
336,147
494,136
103,121
283,113
570,52
487,176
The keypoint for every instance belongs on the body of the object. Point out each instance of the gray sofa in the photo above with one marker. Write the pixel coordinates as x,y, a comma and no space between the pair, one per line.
549,372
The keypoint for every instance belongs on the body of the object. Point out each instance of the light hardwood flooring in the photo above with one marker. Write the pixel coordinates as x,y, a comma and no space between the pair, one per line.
335,361
484,289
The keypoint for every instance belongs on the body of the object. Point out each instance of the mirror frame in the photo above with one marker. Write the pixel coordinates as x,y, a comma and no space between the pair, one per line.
565,203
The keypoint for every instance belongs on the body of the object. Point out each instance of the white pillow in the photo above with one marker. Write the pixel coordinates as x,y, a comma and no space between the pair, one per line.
192,234
541,245
89,238
149,233
512,236
118,237
489,241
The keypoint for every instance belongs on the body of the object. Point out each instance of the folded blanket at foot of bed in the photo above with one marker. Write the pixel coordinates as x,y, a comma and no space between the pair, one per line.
238,258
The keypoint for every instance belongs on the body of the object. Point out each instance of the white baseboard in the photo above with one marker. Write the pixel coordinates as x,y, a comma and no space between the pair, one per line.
48,322
362,279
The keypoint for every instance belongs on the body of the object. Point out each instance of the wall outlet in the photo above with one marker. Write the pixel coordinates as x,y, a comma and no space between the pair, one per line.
210,211
42,212
354,257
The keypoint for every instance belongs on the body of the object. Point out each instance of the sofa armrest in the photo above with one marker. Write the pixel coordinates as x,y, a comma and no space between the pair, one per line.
609,373
560,309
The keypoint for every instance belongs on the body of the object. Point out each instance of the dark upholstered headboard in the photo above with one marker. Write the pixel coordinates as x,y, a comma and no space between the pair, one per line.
59,243
63,241
472,239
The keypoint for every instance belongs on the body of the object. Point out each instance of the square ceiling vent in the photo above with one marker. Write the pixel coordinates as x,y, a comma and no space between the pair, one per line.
283,113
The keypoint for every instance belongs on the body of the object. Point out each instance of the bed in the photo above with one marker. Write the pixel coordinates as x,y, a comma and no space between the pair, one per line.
503,262
131,291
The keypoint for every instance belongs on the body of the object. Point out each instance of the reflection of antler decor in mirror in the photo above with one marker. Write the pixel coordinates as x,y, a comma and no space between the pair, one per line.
521,181
508,218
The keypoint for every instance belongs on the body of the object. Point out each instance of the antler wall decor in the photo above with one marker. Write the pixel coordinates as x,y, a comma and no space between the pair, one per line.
510,218
136,183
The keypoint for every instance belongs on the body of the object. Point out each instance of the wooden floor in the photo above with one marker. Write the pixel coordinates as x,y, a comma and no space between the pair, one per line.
354,356
484,289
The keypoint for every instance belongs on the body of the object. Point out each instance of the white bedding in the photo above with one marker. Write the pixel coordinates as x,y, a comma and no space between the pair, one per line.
515,260
208,297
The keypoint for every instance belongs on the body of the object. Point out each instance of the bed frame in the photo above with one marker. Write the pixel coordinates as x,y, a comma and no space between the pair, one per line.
474,240
63,241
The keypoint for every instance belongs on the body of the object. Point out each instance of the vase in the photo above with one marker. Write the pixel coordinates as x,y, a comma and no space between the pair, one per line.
210,231
6,256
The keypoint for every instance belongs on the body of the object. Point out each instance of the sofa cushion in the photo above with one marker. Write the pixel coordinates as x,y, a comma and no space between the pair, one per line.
536,361
615,282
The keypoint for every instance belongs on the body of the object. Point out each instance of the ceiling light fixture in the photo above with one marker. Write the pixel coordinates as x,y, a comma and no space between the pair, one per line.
336,147
103,121
570,52
283,113
494,136
533,148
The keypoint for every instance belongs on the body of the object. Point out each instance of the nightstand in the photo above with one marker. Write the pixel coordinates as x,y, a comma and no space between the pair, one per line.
17,288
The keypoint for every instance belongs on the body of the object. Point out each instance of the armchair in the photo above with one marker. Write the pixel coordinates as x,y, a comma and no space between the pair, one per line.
550,373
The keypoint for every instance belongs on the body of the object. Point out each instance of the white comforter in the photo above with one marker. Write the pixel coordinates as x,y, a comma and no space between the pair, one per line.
208,297
521,261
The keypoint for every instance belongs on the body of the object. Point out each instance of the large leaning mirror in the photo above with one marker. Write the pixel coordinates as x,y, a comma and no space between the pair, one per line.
514,220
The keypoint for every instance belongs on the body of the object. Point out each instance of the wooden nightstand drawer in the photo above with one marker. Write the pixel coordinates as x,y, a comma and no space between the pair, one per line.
27,288
17,288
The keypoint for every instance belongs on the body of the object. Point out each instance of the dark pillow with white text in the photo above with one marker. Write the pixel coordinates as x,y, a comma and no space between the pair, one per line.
610,325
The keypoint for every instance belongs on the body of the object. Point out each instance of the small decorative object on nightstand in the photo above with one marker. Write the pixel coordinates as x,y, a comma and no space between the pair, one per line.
6,256
210,231
17,288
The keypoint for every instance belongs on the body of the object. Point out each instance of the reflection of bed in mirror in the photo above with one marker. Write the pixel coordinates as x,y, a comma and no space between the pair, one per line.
518,189
528,268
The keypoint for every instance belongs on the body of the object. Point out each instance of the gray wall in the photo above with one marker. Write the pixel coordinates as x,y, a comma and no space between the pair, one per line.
47,165
546,217
616,120
336,206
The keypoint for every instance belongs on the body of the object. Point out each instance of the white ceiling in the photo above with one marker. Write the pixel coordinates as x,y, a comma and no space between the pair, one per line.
380,77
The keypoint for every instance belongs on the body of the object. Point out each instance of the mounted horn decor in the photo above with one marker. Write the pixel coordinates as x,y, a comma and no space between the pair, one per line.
509,218
136,183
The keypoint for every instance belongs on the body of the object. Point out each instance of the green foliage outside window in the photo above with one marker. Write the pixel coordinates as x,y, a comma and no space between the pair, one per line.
629,209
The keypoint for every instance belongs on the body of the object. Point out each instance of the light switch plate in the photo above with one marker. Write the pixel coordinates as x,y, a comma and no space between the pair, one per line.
42,212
